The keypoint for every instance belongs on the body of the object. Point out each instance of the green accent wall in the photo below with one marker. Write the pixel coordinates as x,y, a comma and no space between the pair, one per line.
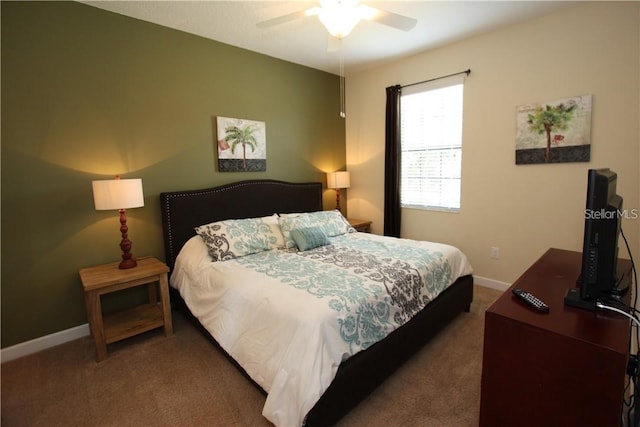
88,94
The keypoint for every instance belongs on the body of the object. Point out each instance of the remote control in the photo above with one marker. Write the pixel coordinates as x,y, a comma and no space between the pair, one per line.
531,300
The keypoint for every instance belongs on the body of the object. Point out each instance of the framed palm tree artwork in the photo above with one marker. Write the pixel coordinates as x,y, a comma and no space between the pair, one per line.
554,132
242,145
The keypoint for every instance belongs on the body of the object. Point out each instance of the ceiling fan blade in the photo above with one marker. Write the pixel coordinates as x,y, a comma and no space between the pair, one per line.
282,19
390,19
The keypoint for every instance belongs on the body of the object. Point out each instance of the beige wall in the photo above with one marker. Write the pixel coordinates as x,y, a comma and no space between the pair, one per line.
591,48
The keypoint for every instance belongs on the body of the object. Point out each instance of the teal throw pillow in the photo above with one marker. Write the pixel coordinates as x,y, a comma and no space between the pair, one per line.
309,238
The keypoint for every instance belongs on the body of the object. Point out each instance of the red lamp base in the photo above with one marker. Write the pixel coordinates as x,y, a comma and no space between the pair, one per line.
127,259
127,263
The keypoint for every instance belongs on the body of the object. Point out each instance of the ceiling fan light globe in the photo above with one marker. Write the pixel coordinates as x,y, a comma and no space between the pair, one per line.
339,28
339,18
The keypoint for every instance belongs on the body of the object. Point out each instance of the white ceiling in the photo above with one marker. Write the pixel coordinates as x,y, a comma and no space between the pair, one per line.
305,41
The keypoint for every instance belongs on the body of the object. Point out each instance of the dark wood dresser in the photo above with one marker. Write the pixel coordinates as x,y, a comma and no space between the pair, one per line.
565,368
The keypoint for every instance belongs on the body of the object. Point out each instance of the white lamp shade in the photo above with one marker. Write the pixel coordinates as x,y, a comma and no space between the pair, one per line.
117,194
339,179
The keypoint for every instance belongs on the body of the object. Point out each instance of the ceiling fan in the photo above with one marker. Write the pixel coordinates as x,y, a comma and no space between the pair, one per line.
340,17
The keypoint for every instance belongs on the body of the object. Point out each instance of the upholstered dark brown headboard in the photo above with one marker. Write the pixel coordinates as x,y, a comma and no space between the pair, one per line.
184,210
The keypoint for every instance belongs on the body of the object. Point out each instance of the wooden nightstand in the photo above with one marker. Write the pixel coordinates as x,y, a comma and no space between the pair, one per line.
104,279
361,225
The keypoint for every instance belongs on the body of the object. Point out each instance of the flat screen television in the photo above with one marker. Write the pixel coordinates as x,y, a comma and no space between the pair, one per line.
598,278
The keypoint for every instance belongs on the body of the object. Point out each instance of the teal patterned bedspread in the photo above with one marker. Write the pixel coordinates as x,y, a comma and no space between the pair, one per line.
374,285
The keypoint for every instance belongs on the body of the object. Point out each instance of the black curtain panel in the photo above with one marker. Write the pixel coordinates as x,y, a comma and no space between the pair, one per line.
392,163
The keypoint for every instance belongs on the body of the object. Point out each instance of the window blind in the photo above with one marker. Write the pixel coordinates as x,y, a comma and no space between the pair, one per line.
431,144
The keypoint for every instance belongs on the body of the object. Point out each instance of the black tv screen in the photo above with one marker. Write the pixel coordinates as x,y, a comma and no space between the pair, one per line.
598,276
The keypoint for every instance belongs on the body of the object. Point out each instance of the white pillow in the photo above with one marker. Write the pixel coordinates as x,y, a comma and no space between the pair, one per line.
235,238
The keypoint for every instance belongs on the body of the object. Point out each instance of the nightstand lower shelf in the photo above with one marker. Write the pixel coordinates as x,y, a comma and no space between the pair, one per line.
127,323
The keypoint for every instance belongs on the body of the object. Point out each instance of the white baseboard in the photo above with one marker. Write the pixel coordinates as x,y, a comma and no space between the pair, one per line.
490,283
42,343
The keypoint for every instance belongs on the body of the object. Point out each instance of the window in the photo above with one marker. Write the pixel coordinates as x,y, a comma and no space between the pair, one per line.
431,145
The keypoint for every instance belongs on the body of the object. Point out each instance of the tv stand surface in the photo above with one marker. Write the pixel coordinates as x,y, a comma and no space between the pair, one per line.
564,368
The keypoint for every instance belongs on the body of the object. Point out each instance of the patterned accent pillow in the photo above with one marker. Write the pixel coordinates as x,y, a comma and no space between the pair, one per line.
332,223
235,238
309,238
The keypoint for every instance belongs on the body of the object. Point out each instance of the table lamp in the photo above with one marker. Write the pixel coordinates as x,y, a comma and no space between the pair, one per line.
338,180
120,194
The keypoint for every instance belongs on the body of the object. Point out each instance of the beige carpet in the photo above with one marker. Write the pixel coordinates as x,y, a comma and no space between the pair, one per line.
184,381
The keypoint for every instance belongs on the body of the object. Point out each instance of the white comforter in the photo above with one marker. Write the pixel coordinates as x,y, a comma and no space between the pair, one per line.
290,319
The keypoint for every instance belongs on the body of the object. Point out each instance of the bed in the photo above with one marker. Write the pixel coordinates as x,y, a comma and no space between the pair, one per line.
352,374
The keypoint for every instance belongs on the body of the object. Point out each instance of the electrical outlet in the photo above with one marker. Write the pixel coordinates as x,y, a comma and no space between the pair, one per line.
495,252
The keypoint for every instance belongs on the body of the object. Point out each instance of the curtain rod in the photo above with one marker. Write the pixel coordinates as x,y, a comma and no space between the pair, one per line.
467,72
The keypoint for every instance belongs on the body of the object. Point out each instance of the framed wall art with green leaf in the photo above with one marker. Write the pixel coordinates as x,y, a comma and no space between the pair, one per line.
242,145
554,132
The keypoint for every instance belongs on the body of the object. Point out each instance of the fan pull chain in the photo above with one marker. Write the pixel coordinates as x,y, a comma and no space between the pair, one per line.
342,81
